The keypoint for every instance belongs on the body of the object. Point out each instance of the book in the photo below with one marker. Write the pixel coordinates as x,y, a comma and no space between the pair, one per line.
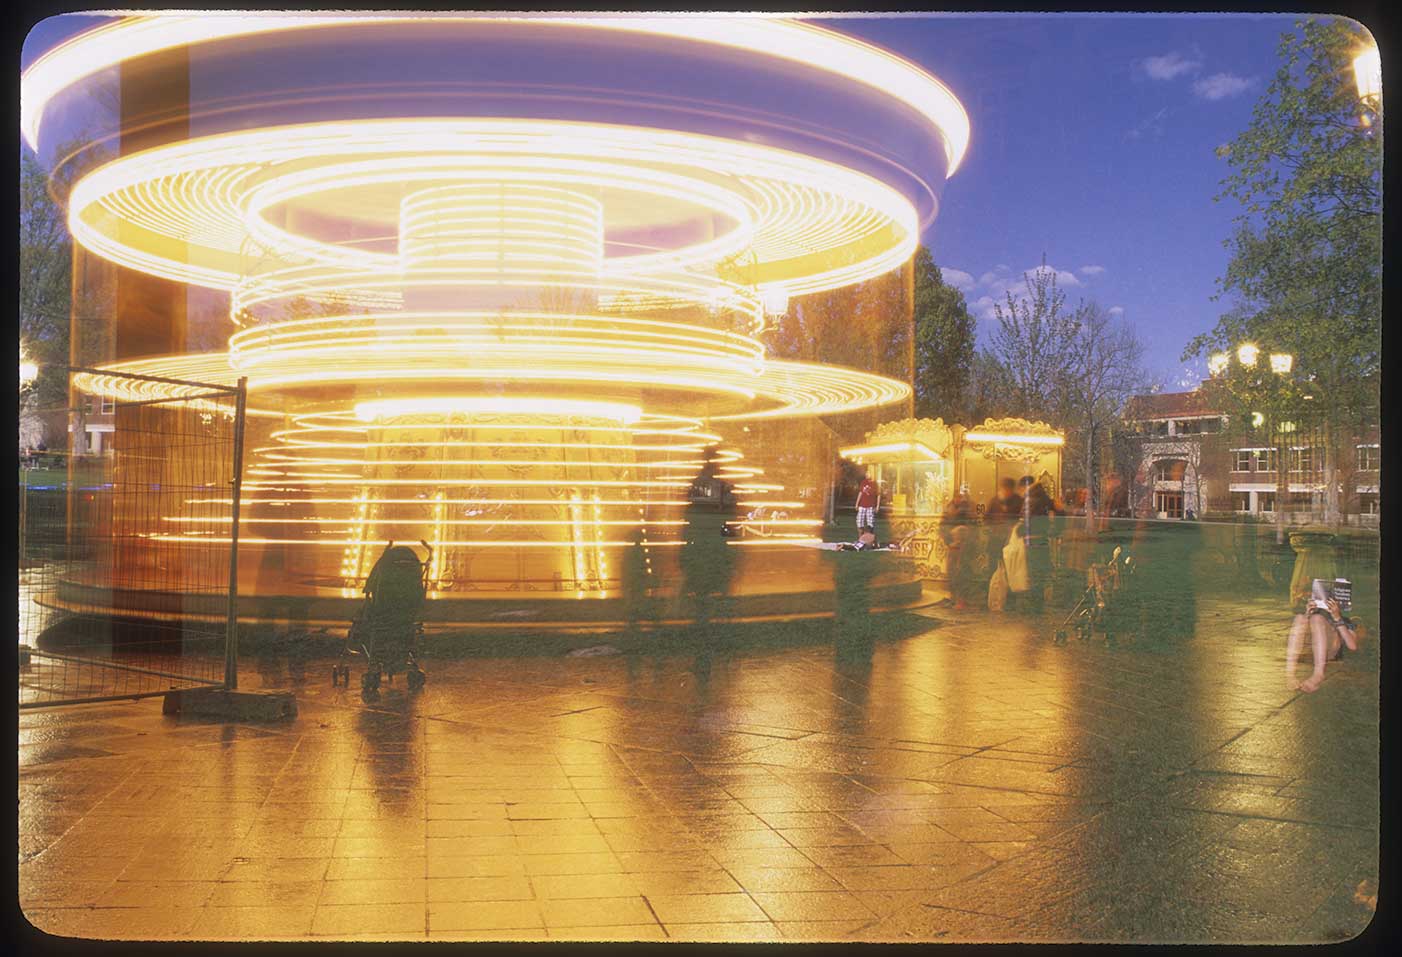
1340,590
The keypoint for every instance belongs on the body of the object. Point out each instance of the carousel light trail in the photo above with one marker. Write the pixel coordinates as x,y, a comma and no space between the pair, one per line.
495,332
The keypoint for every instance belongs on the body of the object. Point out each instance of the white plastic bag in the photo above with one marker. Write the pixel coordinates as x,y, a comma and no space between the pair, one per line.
998,590
1015,561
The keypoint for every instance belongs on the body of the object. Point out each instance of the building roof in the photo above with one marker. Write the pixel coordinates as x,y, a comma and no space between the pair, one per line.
1165,405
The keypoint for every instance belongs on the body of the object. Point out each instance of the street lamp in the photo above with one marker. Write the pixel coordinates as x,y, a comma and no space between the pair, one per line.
1246,354
1282,362
1368,73
28,372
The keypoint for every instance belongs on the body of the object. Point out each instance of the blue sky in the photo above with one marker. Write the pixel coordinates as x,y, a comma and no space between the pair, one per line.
1093,142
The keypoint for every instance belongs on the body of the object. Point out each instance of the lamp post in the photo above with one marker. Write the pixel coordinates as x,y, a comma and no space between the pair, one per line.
1281,364
1368,74
28,371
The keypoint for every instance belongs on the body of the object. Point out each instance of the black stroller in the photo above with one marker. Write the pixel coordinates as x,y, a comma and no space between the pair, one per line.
388,631
1103,605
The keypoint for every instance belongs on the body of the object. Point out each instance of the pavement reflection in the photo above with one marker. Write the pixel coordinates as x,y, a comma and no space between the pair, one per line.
955,779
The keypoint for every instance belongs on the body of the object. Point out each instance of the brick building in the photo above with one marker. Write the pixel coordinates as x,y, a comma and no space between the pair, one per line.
1189,460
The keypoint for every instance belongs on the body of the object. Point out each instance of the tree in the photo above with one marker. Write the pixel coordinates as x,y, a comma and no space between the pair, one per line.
990,389
1105,371
1306,248
945,337
45,279
1035,344
48,311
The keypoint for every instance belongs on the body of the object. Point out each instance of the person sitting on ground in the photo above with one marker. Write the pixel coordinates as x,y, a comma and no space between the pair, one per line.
1330,633
867,538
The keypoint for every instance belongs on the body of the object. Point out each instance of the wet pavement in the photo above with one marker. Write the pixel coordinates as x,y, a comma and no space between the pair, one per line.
962,779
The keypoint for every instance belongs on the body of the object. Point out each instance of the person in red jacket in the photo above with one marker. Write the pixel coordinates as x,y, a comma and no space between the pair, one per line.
868,501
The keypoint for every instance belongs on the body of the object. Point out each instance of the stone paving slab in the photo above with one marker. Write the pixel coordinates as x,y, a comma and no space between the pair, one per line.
969,782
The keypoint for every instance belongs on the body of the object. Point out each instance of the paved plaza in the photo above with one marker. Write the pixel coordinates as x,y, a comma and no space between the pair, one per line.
961,779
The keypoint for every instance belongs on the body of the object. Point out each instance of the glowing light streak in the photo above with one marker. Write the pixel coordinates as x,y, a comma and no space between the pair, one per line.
835,210
392,408
1014,439
866,451
811,46
494,211
379,543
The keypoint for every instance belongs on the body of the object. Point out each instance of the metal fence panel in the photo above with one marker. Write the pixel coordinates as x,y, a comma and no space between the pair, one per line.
127,548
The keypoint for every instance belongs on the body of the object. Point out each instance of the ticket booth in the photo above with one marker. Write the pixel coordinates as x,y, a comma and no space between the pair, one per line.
913,462
921,463
996,449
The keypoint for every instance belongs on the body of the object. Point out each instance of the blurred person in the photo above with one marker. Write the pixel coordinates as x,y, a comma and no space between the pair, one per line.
706,560
1003,512
868,501
963,580
954,530
1039,528
852,578
635,586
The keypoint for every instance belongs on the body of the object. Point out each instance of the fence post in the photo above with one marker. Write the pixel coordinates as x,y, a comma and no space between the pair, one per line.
231,624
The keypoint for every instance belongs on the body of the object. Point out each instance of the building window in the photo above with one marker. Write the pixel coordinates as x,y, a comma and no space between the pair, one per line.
1244,458
1265,460
1265,501
108,406
1301,501
1199,426
1302,460
1369,458
1156,428
1169,470
1241,501
1368,503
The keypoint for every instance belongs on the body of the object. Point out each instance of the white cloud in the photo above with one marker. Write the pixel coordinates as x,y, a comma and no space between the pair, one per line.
1116,310
1219,86
1092,270
999,281
1169,65
1063,277
982,308
957,278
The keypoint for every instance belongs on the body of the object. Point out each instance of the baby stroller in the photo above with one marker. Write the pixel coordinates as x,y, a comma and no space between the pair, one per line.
388,632
1099,606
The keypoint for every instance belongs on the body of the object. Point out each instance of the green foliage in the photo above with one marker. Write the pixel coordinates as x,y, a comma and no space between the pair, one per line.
1306,248
45,280
945,337
990,394
47,308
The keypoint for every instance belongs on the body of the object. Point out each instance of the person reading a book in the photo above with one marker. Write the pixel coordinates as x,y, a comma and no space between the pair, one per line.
1330,631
